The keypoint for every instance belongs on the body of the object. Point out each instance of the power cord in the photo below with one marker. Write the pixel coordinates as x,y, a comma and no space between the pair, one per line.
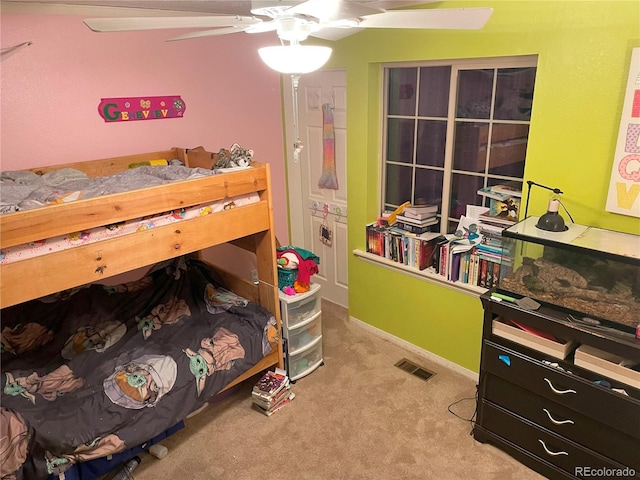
471,420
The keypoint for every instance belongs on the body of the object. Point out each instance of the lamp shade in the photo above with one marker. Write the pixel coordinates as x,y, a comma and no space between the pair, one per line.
552,221
295,59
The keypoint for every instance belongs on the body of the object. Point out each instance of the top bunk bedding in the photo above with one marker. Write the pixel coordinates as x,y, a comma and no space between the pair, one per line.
69,215
87,262
26,190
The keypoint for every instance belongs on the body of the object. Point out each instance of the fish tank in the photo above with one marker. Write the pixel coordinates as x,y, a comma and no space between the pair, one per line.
592,273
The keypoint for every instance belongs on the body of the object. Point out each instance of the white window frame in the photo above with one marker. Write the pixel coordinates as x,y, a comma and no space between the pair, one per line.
456,65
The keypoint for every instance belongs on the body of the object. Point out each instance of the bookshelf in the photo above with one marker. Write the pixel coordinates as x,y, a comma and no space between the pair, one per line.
427,275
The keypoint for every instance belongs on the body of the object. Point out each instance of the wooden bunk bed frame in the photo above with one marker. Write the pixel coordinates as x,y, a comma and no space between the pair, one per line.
249,227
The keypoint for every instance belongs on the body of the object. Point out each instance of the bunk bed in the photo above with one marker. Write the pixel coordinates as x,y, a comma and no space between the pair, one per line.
183,315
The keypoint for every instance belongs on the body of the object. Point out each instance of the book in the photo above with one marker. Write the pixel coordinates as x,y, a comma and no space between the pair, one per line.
508,207
428,251
275,399
501,191
421,209
503,222
270,383
268,412
417,222
418,216
418,230
510,188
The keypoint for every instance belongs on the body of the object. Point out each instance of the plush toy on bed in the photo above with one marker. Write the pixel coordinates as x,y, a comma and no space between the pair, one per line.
235,157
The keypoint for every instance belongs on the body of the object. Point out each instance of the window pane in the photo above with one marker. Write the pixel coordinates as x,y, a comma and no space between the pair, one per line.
508,149
434,91
463,193
514,93
474,93
398,188
428,186
432,135
400,140
470,146
402,91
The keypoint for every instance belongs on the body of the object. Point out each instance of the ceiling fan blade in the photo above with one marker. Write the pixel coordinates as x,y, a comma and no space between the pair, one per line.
123,24
449,18
387,4
333,34
328,10
208,33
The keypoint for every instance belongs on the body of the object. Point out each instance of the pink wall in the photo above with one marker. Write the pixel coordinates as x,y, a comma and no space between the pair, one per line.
51,90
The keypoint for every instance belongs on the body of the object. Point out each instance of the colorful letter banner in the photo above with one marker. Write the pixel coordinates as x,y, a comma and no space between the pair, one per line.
624,186
141,108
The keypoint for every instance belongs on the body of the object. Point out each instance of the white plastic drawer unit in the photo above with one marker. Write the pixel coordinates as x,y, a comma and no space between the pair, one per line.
305,333
306,359
301,307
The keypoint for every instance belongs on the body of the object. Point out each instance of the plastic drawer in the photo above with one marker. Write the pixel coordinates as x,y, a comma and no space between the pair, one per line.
306,359
305,335
298,309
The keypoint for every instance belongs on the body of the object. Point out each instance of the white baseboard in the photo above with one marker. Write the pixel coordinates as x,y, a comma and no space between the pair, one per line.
443,362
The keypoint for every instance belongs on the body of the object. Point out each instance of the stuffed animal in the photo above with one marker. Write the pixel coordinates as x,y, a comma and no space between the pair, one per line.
236,156
288,261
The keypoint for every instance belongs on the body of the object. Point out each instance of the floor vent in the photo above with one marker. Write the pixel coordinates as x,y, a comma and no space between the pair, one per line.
414,369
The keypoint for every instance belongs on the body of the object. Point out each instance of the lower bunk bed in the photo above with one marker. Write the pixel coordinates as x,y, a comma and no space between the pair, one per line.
96,369
93,373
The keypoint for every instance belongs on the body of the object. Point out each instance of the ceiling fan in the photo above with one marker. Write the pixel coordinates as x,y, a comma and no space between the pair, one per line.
291,19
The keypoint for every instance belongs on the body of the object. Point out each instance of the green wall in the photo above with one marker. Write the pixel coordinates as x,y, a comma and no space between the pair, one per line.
584,50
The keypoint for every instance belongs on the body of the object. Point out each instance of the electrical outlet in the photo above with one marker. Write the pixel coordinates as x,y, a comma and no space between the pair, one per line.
254,276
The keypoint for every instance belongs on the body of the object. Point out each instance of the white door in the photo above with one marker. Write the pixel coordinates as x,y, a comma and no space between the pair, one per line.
318,215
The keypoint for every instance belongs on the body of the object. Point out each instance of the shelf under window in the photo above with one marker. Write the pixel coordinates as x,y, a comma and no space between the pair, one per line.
425,275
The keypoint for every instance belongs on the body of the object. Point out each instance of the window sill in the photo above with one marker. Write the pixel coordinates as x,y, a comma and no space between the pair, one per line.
427,275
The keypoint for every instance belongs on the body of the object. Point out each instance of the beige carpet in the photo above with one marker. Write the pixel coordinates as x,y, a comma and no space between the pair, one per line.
356,417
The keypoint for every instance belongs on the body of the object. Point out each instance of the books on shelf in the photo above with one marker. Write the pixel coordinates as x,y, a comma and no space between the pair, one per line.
423,209
415,229
480,262
501,191
272,392
496,220
512,189
420,212
417,222
502,203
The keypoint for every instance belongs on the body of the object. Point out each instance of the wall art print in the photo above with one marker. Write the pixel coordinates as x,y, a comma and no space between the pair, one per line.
141,108
624,186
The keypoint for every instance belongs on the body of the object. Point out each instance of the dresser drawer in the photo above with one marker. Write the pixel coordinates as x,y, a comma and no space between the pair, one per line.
596,402
566,422
545,445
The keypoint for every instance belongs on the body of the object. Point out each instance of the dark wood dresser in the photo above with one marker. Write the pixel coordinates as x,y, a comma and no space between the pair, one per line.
555,416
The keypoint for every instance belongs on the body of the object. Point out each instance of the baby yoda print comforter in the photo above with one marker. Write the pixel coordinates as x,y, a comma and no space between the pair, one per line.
95,370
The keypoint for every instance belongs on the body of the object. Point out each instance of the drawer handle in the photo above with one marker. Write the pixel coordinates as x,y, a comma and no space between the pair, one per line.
550,452
557,422
555,390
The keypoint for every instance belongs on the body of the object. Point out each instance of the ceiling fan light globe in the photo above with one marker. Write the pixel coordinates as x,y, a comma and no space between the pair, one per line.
295,59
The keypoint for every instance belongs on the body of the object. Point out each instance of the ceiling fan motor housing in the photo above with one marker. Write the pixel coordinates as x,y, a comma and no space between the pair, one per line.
295,29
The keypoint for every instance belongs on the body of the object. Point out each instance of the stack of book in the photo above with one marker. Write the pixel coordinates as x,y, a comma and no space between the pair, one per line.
504,200
272,392
417,218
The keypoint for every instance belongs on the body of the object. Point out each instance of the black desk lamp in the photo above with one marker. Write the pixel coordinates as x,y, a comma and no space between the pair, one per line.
551,221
